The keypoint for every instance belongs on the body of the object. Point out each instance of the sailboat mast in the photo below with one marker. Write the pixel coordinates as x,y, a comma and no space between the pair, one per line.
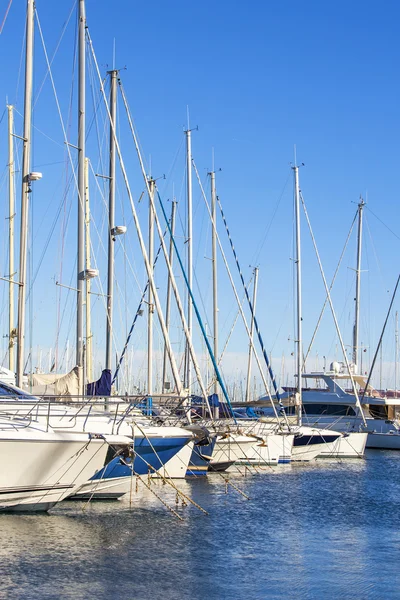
214,272
150,300
247,399
26,164
111,218
11,203
298,295
187,378
88,354
81,194
396,352
358,285
168,306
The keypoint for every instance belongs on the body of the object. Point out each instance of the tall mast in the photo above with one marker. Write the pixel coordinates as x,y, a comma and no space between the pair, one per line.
358,285
247,399
11,216
187,378
81,194
215,277
111,217
396,352
168,306
214,270
26,167
89,354
298,298
150,300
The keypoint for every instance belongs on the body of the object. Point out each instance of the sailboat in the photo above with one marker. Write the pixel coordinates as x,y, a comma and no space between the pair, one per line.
152,447
313,438
307,442
330,403
41,466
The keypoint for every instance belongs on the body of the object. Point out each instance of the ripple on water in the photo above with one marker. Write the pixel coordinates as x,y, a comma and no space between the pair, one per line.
324,530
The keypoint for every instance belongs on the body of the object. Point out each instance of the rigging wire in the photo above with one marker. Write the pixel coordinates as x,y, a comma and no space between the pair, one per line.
236,294
263,350
172,280
177,378
380,339
330,289
5,16
333,312
63,30
383,223
264,239
137,314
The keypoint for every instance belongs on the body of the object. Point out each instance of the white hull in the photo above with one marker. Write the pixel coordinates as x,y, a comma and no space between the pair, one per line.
354,443
248,450
231,448
384,441
40,470
349,446
176,467
307,453
105,489
116,487
273,449
315,442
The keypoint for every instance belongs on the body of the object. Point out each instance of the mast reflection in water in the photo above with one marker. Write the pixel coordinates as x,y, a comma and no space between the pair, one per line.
322,530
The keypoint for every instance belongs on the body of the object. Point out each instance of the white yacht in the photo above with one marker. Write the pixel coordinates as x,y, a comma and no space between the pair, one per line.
154,447
328,402
41,467
246,443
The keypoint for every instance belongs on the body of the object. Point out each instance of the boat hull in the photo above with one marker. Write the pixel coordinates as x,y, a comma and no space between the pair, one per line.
252,450
384,441
152,456
177,466
41,473
311,442
350,445
200,459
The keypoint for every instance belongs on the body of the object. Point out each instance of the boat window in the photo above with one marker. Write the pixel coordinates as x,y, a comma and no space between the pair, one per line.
338,410
9,391
378,412
6,391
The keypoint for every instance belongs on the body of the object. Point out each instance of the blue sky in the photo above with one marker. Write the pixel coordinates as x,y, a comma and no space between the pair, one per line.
258,78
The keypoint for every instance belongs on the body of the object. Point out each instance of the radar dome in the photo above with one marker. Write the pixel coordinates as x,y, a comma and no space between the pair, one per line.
335,367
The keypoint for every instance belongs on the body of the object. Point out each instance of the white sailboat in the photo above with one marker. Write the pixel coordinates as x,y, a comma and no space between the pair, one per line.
41,467
313,439
330,403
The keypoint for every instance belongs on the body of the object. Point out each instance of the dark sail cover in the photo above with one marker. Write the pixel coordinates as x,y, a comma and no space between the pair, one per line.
101,387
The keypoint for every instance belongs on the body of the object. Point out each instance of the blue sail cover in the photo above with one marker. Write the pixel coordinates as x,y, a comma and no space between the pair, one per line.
212,400
101,387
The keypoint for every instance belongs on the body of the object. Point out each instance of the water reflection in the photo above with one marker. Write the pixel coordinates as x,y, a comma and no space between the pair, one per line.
323,530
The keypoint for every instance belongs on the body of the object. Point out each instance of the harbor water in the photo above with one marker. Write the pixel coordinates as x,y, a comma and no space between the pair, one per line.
322,530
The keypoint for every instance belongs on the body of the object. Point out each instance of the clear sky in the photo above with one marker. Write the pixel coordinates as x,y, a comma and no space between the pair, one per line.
259,78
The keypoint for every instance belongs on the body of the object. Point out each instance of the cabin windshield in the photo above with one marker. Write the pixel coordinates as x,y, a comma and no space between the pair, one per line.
337,410
8,391
378,411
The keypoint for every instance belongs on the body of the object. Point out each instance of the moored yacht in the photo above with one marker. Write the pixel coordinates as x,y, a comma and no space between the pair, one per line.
154,447
41,467
329,404
245,443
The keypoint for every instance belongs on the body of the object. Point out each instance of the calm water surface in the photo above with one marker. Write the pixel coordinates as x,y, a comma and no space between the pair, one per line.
325,530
